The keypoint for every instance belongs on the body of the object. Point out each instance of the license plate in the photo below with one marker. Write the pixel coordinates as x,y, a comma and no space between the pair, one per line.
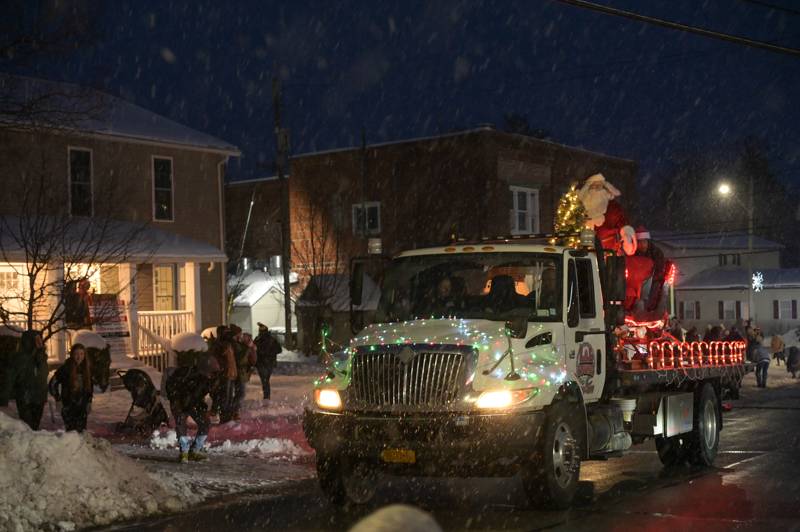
398,456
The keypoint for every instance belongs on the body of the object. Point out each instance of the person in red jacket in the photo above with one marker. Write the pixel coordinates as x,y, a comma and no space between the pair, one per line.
606,216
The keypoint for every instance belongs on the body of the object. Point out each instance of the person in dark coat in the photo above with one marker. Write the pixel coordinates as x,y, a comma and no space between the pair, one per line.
186,390
267,349
72,386
30,378
793,361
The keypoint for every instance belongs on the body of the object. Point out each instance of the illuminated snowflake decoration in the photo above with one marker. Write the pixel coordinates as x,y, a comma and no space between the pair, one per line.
758,282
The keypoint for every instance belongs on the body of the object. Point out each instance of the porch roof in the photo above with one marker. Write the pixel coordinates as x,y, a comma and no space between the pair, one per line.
87,238
722,278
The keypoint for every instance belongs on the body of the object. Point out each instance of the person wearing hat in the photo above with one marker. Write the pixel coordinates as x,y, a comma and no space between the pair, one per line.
646,248
186,389
267,356
605,215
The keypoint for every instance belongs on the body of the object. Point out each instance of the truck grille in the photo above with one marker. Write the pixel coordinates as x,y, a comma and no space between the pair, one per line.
428,379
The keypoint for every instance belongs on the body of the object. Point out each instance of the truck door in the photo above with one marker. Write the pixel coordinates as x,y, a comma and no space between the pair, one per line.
585,331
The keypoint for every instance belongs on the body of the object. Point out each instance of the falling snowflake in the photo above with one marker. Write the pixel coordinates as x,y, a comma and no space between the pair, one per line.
758,282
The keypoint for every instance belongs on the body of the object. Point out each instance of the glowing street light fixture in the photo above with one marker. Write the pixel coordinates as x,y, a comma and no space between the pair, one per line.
724,189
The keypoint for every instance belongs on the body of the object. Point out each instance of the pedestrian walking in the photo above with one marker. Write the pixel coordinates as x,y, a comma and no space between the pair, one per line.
186,391
778,347
793,361
227,382
72,386
29,371
761,354
267,350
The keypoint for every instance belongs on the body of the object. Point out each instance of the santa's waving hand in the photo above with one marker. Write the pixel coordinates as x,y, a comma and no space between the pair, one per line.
606,216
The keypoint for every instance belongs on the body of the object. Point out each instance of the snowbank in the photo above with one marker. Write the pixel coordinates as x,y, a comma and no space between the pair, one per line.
89,339
264,446
189,341
64,480
397,518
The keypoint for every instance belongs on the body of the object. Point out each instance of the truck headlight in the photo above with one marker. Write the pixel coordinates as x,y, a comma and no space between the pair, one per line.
499,399
328,399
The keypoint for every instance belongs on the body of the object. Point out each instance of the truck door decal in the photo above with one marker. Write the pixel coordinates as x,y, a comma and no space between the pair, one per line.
585,367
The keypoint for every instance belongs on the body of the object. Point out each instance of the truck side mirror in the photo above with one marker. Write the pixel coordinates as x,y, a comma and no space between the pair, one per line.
517,327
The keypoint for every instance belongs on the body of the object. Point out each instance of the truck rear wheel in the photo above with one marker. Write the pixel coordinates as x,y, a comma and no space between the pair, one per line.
704,440
551,477
671,451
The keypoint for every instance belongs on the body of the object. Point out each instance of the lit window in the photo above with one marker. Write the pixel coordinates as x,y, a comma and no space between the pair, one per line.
169,287
367,218
9,282
524,211
80,182
162,189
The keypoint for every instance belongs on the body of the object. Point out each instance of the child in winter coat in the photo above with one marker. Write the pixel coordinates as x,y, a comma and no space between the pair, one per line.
72,385
186,389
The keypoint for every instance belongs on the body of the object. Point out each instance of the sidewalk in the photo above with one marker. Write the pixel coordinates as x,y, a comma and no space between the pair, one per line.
775,395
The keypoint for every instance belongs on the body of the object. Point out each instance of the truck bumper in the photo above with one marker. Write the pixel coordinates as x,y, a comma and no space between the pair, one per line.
441,444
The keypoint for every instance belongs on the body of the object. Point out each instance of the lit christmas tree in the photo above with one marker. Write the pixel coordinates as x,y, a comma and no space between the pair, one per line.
570,218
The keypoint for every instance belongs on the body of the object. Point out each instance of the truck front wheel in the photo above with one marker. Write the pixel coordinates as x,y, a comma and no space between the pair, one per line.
551,478
704,440
345,481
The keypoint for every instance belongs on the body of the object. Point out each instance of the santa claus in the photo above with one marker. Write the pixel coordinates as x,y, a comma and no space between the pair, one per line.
605,215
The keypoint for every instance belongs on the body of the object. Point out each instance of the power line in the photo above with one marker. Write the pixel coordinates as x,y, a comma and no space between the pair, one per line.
681,27
773,6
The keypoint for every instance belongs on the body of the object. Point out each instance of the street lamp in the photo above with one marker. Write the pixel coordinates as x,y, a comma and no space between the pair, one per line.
725,190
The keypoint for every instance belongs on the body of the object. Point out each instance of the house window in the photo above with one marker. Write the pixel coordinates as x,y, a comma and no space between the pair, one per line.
367,218
80,182
785,309
730,259
524,211
690,310
162,189
730,310
9,282
169,287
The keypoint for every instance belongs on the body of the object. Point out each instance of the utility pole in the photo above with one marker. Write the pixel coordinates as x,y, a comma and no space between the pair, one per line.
282,138
364,231
751,309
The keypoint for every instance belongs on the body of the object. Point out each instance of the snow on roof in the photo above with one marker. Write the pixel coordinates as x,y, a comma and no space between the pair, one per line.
136,242
719,240
336,290
257,284
268,179
480,129
732,277
92,111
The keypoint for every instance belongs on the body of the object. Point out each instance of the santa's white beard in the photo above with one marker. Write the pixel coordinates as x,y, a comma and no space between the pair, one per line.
595,203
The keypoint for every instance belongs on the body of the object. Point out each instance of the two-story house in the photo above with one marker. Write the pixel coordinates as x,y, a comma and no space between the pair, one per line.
412,193
159,181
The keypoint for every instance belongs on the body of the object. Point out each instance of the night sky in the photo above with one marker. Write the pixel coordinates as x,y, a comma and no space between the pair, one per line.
405,69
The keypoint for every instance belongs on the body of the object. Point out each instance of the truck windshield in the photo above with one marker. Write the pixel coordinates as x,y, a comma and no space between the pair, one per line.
492,286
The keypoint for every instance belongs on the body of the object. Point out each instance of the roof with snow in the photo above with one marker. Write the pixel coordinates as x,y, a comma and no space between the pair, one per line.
472,131
257,284
121,240
64,105
722,278
333,290
718,240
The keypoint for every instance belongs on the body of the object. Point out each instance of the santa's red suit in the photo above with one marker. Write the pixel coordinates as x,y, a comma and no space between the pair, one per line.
609,231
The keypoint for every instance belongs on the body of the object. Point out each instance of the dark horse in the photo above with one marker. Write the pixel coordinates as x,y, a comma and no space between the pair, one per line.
100,360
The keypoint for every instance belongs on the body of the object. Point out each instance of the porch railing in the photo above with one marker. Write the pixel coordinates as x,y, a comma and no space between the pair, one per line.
156,328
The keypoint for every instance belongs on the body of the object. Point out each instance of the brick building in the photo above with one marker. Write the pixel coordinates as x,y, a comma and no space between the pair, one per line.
413,193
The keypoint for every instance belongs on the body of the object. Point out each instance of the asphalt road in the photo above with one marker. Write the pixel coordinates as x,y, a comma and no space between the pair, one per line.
755,485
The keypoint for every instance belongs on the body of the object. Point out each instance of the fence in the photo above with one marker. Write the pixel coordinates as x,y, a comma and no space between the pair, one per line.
156,328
